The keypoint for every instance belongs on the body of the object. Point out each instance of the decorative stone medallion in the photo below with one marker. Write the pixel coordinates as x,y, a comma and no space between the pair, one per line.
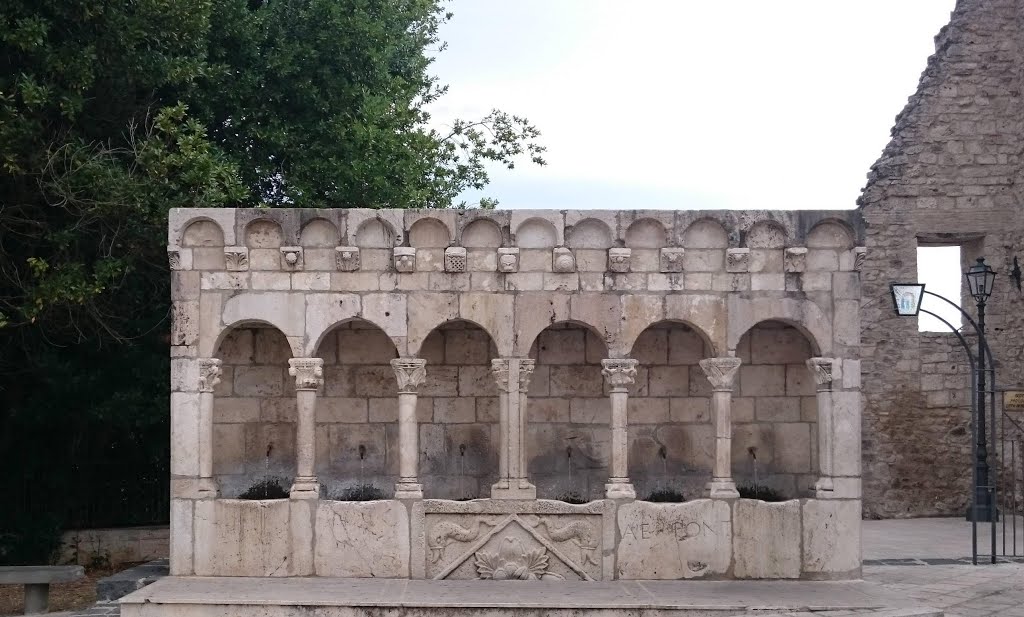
455,259
563,260
737,260
405,259
618,259
508,260
672,259
347,258
795,259
236,258
291,257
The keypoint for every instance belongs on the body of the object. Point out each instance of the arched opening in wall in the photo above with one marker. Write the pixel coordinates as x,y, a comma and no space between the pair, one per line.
457,409
775,412
569,414
254,413
357,413
671,434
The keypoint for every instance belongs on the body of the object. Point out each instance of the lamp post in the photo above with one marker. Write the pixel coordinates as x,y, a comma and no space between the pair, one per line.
980,278
906,298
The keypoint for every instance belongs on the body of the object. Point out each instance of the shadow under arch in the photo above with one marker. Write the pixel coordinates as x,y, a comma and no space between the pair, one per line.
804,315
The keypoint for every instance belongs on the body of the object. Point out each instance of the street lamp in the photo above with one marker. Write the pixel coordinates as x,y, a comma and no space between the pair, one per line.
980,278
906,300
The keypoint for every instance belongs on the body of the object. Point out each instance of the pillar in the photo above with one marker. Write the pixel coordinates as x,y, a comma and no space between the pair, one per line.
410,373
513,378
822,369
620,373
209,377
721,372
309,377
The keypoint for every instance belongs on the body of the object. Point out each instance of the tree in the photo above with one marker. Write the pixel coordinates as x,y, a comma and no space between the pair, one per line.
111,113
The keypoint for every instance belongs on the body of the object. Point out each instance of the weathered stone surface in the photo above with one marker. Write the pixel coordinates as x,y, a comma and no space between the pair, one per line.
766,539
362,539
242,538
832,538
673,541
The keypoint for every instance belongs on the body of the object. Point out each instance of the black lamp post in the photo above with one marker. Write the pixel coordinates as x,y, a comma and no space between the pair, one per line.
980,278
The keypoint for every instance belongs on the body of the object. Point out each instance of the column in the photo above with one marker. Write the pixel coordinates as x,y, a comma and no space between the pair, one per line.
209,377
822,369
513,378
309,376
410,373
620,373
721,372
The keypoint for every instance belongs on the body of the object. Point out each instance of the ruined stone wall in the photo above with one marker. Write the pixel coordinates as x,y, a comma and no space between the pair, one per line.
950,175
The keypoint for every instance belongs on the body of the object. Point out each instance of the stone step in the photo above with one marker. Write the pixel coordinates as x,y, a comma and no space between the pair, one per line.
126,581
336,597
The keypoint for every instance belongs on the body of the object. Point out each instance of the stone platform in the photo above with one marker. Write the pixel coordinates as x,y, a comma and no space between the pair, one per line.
332,597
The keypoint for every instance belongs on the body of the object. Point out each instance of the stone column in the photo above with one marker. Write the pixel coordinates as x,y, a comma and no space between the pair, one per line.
513,378
721,372
209,377
620,374
822,368
410,373
309,376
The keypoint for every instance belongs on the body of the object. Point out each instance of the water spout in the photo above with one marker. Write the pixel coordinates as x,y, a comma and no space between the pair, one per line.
752,451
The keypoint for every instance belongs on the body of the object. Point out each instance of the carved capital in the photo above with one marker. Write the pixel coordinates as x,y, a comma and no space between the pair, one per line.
860,254
500,369
308,373
822,370
721,372
619,372
209,374
526,367
410,373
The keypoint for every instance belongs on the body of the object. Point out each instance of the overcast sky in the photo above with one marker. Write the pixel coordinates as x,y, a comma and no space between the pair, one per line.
687,104
690,104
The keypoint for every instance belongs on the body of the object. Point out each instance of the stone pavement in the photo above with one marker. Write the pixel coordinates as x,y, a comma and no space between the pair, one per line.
917,544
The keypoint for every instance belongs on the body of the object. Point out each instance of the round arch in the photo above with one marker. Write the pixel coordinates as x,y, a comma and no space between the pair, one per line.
803,315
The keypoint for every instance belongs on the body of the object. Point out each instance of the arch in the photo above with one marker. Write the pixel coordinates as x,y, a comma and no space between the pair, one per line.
702,313
283,311
589,234
536,341
375,233
481,233
202,233
706,347
536,233
319,233
830,234
646,234
226,331
263,234
421,349
381,347
803,315
766,235
429,233
314,343
706,233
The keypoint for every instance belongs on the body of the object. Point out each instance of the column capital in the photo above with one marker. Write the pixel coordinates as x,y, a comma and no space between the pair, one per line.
822,368
209,374
308,373
500,370
721,372
410,373
619,372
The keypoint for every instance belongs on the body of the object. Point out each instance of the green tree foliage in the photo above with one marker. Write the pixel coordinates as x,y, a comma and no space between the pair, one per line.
111,113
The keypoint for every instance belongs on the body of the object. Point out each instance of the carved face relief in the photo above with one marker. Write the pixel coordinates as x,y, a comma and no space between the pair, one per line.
508,262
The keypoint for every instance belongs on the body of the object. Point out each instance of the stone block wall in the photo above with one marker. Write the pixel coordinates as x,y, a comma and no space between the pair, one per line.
950,175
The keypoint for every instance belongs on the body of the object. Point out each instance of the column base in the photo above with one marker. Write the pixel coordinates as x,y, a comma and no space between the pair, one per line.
721,489
206,488
408,490
619,488
513,488
307,487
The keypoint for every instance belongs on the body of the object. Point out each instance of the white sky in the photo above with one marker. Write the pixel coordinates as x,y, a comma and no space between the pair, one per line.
687,104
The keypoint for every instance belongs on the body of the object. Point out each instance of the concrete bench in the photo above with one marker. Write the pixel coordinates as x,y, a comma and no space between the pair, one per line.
37,580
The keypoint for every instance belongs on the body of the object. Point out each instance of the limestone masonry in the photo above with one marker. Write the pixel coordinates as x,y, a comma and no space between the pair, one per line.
519,384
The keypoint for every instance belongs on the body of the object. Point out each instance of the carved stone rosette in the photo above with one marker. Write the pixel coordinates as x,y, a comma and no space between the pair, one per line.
308,373
410,373
291,258
619,372
721,372
563,261
209,374
822,370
